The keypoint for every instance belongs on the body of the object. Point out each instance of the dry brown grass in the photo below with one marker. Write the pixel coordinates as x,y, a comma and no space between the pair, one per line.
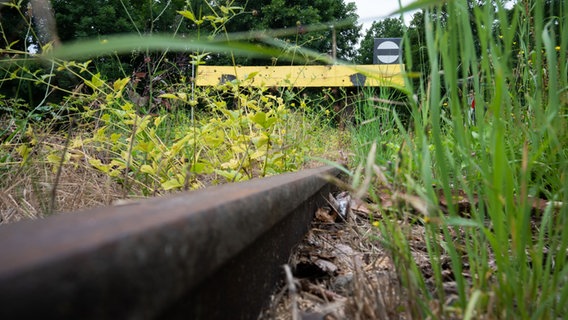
27,193
342,272
27,186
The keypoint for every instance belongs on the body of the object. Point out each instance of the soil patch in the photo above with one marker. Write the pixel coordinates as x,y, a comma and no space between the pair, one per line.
341,270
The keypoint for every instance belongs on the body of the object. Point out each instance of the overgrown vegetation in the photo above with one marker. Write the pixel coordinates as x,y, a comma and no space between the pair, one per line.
143,135
486,185
489,187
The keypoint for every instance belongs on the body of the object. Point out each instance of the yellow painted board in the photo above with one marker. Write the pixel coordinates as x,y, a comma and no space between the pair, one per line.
389,75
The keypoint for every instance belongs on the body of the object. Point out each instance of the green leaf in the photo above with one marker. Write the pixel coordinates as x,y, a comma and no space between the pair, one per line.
119,44
463,222
147,169
188,14
24,151
199,168
118,164
239,148
260,140
120,84
259,118
419,4
53,159
168,96
258,154
251,75
115,137
269,122
230,175
95,82
127,106
172,184
99,165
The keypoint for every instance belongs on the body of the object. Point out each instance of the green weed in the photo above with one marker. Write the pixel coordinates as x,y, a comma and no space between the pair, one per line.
506,252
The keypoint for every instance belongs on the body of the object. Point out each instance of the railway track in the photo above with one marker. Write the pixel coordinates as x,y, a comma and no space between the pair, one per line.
215,253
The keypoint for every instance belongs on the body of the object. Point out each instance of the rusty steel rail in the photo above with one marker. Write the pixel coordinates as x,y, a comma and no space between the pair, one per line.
215,253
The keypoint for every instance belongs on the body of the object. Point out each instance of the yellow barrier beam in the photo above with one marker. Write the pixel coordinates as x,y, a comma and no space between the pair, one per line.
389,75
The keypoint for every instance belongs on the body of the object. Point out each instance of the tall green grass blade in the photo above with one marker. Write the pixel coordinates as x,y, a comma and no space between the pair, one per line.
120,44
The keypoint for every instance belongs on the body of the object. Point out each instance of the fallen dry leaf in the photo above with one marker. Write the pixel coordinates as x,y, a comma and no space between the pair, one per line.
326,266
326,215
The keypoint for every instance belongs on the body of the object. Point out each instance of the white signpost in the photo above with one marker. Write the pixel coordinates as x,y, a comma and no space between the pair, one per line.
387,51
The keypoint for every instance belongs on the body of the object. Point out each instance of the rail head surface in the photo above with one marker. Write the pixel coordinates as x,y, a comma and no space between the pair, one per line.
136,260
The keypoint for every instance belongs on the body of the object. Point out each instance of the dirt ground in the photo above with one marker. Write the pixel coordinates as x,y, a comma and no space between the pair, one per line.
341,271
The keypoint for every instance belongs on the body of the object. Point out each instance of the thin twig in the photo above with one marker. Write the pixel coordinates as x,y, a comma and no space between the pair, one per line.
129,157
52,201
292,291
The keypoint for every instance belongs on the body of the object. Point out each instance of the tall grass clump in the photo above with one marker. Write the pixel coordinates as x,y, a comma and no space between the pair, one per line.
507,249
376,117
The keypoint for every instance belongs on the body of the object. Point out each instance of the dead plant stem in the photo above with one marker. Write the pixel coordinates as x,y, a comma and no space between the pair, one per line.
53,198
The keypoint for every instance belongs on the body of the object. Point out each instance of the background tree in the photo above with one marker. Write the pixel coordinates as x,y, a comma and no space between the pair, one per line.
78,19
119,16
298,16
387,28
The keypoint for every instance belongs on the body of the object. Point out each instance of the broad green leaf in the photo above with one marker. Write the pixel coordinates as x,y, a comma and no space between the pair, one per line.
55,159
177,147
260,140
115,173
260,118
258,154
188,14
147,169
182,96
117,164
269,122
95,82
127,106
24,151
239,148
231,164
231,175
172,184
159,120
119,84
145,146
115,137
144,123
251,75
200,167
99,165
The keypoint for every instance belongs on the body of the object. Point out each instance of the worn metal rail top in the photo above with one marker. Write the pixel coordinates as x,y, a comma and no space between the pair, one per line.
216,253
